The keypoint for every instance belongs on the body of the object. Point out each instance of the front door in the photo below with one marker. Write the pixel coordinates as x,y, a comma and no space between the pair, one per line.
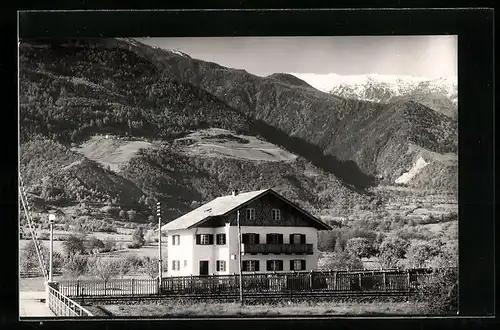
204,267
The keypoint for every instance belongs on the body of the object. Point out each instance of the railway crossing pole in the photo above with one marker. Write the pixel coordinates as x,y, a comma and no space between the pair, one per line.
160,270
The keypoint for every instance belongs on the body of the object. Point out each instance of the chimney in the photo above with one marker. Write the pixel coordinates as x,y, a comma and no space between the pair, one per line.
235,192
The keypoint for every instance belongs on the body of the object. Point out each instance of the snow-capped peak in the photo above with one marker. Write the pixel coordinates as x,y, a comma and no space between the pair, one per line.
440,94
177,52
326,82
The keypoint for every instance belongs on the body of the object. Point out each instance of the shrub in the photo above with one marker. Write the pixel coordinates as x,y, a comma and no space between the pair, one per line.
420,253
134,261
107,228
439,292
109,244
94,243
341,261
44,236
134,245
392,250
359,246
138,236
74,244
131,214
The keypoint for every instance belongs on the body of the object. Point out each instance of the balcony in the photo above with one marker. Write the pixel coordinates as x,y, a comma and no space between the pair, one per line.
277,248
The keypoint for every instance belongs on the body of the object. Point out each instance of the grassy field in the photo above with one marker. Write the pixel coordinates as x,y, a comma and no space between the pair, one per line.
175,309
216,142
146,250
111,151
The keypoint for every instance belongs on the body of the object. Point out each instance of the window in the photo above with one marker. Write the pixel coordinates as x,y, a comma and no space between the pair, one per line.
204,239
176,265
274,265
221,239
220,265
250,214
297,264
274,238
185,263
297,239
275,214
176,240
250,265
250,238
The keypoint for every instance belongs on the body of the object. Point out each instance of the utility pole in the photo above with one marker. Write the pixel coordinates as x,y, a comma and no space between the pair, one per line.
239,255
160,270
52,217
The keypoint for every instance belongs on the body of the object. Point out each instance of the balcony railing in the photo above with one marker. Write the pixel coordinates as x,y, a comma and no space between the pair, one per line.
277,248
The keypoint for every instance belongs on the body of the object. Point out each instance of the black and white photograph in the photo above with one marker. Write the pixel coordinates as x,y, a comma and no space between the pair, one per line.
238,176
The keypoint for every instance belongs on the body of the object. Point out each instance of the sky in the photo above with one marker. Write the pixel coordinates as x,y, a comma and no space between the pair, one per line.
423,56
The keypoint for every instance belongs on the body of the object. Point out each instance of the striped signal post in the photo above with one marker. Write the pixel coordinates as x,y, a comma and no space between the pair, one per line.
160,270
239,256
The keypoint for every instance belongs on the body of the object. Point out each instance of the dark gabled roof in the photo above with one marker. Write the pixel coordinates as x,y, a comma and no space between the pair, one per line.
226,204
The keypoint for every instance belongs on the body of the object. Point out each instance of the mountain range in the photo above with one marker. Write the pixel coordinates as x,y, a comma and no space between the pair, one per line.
210,129
440,94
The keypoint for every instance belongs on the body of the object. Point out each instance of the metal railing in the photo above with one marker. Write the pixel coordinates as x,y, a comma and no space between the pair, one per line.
61,305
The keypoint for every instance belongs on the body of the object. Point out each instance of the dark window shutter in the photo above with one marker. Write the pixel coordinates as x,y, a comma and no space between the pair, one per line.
280,239
244,238
303,266
291,265
210,239
302,239
268,239
198,239
223,239
244,266
291,239
268,267
280,264
257,266
257,239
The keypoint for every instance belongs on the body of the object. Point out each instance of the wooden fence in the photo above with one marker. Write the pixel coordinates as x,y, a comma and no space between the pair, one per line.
253,284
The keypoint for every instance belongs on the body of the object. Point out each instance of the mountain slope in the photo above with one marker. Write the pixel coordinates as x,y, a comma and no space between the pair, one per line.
371,138
72,91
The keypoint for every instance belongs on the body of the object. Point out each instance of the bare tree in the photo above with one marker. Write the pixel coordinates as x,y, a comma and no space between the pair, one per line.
151,267
103,268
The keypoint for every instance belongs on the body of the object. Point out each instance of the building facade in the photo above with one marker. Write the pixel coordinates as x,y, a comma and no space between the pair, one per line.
276,235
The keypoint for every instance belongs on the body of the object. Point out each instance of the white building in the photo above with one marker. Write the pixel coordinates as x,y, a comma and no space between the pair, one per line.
276,236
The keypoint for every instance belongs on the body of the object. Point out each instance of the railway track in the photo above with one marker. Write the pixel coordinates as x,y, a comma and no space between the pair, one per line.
249,298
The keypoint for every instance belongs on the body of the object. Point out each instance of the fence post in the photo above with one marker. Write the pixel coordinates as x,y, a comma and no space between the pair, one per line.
408,279
132,287
384,279
311,280
359,280
334,281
